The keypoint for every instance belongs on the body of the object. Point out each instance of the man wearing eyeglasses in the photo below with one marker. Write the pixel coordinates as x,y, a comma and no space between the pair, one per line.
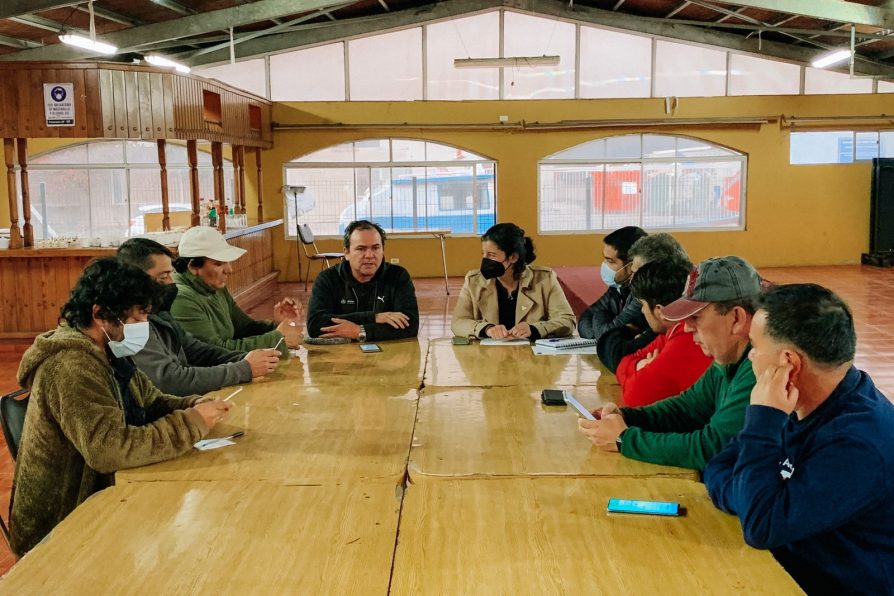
174,360
363,297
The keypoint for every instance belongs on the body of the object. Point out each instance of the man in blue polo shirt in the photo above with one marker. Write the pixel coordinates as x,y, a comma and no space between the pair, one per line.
811,475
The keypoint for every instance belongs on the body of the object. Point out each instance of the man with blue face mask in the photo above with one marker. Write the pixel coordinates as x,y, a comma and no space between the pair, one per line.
91,412
616,308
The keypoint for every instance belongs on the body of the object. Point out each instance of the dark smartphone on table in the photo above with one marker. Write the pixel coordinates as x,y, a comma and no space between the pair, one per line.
552,397
461,341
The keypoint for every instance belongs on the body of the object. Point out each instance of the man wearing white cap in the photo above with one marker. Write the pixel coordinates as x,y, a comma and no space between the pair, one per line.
205,308
689,429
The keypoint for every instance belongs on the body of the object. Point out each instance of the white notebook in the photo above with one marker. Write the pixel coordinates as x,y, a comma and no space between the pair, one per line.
564,343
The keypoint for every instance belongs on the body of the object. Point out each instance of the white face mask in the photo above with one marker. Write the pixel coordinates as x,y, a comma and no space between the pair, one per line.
135,337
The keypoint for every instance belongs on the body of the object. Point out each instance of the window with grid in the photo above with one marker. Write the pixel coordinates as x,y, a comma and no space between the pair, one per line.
653,181
404,185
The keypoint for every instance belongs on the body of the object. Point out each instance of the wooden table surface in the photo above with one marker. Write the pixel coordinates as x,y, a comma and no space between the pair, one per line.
296,433
481,366
400,363
507,431
553,536
218,538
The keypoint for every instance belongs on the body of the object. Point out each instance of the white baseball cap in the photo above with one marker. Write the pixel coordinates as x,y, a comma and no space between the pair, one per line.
202,241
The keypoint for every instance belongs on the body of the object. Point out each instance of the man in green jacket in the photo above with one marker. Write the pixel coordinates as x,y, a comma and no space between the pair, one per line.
91,412
689,429
205,308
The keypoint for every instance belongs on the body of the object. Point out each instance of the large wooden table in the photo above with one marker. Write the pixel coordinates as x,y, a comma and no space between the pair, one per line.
488,491
553,536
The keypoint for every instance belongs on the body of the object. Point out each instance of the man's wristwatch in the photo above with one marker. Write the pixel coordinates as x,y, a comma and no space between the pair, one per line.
620,440
361,336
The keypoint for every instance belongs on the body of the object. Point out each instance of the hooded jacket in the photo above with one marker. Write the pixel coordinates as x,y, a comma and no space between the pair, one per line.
337,293
75,435
212,316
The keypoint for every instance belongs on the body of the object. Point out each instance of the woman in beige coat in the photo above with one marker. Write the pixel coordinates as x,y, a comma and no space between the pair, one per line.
507,298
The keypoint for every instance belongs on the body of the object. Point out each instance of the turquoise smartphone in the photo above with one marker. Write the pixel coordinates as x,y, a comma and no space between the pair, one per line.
461,341
644,507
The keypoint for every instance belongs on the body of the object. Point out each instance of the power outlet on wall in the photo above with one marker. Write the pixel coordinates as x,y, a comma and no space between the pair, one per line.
394,261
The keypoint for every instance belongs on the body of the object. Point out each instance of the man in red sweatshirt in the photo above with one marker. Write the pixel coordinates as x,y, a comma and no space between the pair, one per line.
672,362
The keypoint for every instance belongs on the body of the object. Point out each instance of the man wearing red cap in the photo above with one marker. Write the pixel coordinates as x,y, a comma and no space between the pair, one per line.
689,429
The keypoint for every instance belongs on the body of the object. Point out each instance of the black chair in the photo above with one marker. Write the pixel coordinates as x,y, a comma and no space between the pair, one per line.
12,420
307,239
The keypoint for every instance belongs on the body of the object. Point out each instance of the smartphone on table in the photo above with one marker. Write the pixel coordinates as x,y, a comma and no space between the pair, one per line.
552,397
370,348
645,507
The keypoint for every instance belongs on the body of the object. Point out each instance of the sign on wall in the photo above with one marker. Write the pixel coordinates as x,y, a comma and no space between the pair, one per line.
58,104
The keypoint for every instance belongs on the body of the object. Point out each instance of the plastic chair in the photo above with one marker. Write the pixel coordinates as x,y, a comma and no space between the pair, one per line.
12,421
307,239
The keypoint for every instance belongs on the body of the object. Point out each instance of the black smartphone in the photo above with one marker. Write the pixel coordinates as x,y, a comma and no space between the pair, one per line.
370,348
461,341
644,507
552,397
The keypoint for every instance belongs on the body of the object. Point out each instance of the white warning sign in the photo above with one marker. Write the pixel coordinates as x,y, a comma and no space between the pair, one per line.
58,104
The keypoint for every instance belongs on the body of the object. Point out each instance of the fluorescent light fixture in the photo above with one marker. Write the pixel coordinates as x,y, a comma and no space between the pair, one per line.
831,58
157,60
511,62
88,44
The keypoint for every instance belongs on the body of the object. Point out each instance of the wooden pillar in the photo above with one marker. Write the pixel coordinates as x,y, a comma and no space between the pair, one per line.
163,172
260,186
234,150
27,229
15,235
240,178
192,156
219,198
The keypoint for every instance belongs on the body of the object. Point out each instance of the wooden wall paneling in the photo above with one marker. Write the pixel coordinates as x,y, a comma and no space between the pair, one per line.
131,92
7,299
27,229
119,100
23,85
23,291
167,81
92,104
59,288
144,97
15,235
39,126
157,105
177,103
198,122
192,158
219,198
76,76
107,101
7,109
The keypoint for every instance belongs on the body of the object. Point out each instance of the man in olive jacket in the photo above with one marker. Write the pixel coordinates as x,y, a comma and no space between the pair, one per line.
91,412
691,428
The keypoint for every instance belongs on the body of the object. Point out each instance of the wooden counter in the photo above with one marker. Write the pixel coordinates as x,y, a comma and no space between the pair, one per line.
218,538
494,432
553,536
36,282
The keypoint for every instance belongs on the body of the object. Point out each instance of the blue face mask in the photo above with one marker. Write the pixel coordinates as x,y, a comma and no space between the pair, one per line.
608,276
135,337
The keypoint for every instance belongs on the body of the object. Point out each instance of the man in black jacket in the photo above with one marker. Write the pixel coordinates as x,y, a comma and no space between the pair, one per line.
363,297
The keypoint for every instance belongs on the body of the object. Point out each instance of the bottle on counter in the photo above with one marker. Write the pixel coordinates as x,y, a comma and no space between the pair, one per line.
212,217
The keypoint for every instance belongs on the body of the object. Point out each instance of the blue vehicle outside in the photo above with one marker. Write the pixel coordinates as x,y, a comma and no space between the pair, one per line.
428,203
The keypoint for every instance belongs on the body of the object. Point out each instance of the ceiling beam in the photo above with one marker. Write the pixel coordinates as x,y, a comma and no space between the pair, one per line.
175,6
112,16
14,8
828,10
215,20
15,42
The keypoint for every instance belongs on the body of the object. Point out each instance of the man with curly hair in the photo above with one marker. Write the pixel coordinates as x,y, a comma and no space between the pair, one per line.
91,412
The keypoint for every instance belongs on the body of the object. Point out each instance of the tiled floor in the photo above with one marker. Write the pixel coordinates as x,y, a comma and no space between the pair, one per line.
869,291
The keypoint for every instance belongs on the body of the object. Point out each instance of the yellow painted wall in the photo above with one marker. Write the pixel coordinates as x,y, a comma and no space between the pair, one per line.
795,215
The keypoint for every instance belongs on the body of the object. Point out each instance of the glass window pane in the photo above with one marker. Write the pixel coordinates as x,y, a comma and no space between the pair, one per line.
105,152
176,153
867,146
145,201
707,195
659,146
589,150
387,66
534,36
821,147
689,71
472,37
623,147
407,150
250,75
60,203
315,74
757,76
109,215
621,196
439,152
69,155
628,71
141,152
687,147
819,81
571,197
335,153
886,144
371,150
885,87
329,202
658,195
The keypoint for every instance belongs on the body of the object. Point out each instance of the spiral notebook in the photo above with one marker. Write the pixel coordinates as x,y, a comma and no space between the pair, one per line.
565,343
